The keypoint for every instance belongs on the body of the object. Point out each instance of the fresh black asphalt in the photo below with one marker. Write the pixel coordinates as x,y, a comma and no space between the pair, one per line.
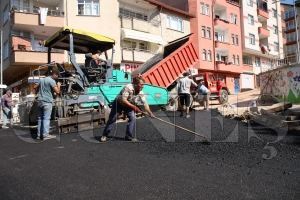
244,161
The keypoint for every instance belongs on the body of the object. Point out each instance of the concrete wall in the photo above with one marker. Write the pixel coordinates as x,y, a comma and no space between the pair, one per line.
284,83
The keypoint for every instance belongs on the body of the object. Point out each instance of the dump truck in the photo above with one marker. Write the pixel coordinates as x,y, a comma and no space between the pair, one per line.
177,57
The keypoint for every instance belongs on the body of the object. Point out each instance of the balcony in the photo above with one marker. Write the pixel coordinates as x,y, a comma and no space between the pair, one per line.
263,32
283,24
30,20
262,15
221,23
136,55
22,55
221,45
234,2
222,66
140,25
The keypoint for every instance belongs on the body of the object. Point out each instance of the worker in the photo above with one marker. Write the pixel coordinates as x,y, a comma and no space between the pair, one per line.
46,88
126,101
6,102
203,95
98,58
184,93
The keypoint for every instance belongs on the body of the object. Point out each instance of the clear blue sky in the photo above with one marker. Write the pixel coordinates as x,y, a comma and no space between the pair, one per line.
287,1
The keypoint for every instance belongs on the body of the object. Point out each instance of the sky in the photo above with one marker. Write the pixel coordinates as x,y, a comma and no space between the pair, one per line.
287,1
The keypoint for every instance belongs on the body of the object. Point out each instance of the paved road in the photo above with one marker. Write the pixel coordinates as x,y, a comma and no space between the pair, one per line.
238,164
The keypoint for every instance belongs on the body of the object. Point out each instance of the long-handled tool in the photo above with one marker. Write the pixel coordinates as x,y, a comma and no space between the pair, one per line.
203,136
170,102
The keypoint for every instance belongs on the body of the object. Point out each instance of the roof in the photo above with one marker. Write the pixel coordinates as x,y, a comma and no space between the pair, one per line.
83,41
171,8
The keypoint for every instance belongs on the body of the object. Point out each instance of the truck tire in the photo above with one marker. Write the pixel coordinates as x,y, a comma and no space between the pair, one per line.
223,97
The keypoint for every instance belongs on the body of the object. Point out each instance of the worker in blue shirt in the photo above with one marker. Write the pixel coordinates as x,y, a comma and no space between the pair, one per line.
203,95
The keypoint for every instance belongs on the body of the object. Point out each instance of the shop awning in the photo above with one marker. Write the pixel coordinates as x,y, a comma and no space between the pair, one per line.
137,35
34,79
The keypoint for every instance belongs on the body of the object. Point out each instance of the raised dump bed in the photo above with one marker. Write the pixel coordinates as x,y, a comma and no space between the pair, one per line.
165,67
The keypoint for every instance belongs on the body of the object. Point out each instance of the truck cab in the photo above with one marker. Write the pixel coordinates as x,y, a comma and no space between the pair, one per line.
216,86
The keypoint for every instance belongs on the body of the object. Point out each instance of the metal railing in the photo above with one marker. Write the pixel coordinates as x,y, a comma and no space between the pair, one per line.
36,10
139,50
247,62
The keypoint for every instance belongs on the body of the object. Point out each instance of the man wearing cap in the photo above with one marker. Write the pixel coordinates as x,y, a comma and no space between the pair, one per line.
6,102
184,93
46,88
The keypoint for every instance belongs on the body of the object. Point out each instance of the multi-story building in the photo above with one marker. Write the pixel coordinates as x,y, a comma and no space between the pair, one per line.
291,23
236,39
262,38
139,27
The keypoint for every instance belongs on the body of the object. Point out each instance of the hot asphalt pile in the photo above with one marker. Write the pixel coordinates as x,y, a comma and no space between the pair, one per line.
243,161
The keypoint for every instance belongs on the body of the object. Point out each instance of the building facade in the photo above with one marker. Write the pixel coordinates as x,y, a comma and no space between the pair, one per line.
236,39
140,29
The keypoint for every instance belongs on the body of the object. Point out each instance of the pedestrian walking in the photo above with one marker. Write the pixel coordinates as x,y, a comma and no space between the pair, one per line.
46,88
6,102
203,95
184,85
126,101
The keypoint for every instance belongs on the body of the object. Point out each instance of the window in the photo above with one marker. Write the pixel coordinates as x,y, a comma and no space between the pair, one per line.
232,38
88,7
274,12
5,15
219,37
5,53
250,2
132,14
250,19
204,54
129,45
291,37
203,31
208,33
276,46
237,60
235,19
207,9
275,30
289,14
251,39
257,62
202,8
174,23
218,57
209,55
236,39
289,25
233,59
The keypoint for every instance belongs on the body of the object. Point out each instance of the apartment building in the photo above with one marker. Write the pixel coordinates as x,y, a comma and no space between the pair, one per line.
262,38
291,23
139,27
236,39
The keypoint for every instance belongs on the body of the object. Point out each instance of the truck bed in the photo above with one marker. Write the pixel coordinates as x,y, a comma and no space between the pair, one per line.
165,67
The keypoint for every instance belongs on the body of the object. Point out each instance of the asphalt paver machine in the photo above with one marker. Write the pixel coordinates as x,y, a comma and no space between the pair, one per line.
87,91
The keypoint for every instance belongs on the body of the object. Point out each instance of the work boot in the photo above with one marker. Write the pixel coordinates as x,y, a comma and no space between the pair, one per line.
188,116
48,137
131,139
5,127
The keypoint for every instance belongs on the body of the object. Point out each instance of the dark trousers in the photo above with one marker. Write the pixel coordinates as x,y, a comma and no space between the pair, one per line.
115,112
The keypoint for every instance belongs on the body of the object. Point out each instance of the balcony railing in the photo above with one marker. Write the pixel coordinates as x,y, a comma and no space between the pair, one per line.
36,10
20,47
289,27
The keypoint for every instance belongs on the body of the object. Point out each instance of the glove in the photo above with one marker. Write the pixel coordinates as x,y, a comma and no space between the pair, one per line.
136,109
